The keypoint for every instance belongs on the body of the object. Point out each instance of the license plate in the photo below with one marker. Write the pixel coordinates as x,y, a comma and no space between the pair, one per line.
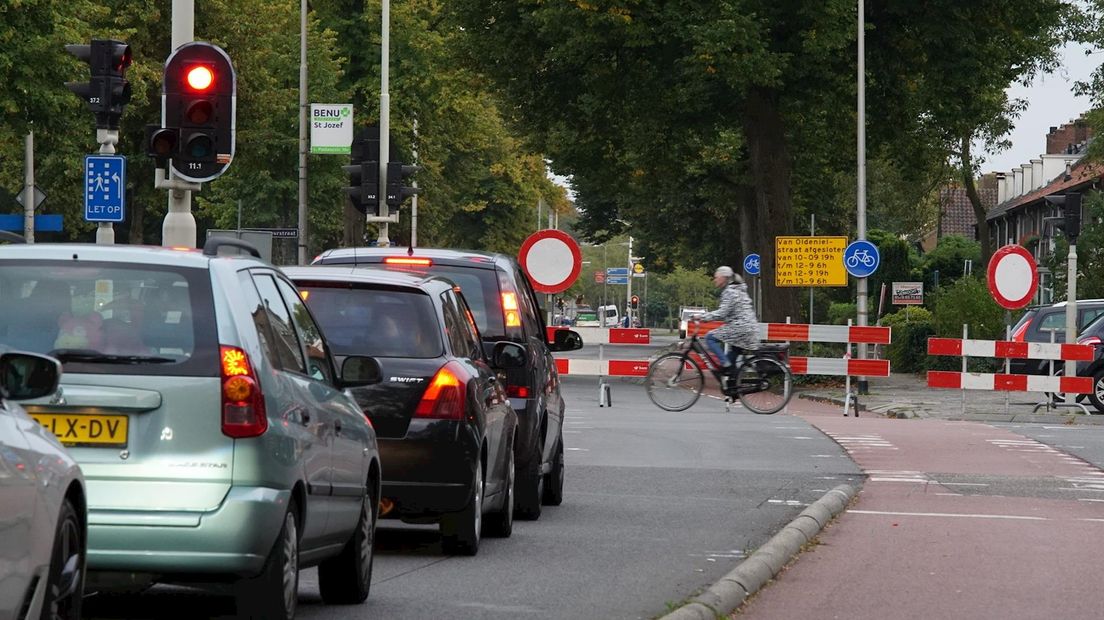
84,429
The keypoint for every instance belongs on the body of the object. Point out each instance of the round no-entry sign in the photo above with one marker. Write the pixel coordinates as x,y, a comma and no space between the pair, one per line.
1013,277
551,259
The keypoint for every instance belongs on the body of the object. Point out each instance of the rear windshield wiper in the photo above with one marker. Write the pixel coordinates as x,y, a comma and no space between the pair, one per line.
95,357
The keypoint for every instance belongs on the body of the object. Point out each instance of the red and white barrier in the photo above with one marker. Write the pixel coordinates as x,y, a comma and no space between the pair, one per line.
802,332
1008,383
607,335
839,367
1017,350
964,348
602,368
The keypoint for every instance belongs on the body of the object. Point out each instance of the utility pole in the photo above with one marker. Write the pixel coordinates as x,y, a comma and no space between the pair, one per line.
28,189
628,289
302,237
860,287
179,227
383,213
414,198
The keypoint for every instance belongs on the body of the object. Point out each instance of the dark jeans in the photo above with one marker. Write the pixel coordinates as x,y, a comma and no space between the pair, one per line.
717,347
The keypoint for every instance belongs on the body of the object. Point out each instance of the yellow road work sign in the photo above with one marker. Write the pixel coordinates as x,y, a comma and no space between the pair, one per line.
809,261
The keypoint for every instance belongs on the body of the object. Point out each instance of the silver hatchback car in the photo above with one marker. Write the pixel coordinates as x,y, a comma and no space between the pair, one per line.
217,439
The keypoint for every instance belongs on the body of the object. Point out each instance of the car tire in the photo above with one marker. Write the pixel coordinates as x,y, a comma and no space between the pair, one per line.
530,490
274,594
500,523
65,583
554,480
460,531
1096,396
682,335
345,579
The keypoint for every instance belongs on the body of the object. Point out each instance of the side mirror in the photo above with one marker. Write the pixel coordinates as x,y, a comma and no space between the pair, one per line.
566,340
24,376
508,355
358,370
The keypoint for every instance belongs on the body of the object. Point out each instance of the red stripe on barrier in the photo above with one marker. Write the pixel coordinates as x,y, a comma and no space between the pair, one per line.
1076,385
625,335
561,365
944,346
944,379
868,368
870,335
1078,352
628,368
702,329
1005,348
788,331
799,365
1010,383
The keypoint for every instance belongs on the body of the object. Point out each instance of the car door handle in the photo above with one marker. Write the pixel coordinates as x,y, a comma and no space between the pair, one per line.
304,418
337,428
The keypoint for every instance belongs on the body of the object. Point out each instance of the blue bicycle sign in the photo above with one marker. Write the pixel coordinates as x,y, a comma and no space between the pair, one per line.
751,264
861,258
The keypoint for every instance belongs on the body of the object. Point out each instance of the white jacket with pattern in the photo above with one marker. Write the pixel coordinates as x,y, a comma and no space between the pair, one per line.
738,315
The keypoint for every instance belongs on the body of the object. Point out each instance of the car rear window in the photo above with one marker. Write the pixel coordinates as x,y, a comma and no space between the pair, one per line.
480,288
110,318
380,322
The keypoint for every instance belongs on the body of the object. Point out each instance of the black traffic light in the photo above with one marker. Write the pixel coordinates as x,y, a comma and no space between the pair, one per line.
1070,222
397,189
363,171
107,92
634,302
198,101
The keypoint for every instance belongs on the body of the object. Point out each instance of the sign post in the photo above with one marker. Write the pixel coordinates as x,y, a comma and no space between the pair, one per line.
861,259
104,188
809,261
331,128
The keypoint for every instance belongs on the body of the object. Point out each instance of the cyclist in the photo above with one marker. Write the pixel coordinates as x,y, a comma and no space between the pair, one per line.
740,326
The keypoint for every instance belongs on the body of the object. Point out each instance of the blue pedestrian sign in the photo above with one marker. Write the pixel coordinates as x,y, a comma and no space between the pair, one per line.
861,258
104,188
751,264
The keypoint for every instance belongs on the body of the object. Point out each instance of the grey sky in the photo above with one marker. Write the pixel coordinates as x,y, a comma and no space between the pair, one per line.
1051,103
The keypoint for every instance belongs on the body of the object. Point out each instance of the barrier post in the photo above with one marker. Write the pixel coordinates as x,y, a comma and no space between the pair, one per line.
1007,360
848,397
605,398
965,336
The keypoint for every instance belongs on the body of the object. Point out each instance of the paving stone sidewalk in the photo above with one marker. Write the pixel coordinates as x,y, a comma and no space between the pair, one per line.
908,396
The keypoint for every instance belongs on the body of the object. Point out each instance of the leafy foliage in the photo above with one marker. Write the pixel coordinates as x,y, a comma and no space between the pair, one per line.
968,302
911,329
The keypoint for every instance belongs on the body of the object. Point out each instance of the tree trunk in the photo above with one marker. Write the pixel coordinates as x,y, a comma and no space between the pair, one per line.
975,202
769,213
137,223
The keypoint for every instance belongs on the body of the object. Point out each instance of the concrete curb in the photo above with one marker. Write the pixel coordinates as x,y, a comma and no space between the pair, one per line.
723,597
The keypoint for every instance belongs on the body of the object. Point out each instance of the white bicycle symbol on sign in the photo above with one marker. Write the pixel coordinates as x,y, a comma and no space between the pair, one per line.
860,256
751,265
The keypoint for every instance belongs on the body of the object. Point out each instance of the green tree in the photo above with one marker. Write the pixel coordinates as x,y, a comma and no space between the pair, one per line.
948,259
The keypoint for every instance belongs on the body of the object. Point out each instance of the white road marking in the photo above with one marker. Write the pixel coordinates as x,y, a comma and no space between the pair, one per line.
578,449
945,514
964,484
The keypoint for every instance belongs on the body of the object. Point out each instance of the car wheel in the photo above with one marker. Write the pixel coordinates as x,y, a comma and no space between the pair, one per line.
1097,393
501,522
682,335
346,578
530,489
65,585
274,594
554,480
460,531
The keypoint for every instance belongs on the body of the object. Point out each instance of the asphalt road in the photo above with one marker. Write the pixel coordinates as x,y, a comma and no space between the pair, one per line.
1084,442
657,505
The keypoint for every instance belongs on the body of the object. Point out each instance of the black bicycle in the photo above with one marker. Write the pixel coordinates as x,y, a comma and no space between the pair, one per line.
763,382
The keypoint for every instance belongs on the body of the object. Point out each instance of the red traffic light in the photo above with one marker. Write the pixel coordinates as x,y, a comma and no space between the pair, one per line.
199,77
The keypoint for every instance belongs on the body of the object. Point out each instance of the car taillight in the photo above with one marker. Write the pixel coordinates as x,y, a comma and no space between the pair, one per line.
517,391
243,410
510,310
1019,335
444,398
1089,340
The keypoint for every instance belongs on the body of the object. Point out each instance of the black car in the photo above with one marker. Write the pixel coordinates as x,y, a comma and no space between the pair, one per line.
506,310
443,421
1092,334
1037,323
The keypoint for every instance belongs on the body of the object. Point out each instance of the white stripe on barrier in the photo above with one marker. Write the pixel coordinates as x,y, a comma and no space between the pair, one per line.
977,381
826,366
829,333
979,348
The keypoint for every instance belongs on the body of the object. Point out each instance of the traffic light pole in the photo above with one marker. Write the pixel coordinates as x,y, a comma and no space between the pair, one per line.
108,138
383,212
179,227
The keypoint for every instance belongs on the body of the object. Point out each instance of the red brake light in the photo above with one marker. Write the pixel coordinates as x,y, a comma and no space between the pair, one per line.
517,391
444,398
1020,333
243,410
199,77
408,260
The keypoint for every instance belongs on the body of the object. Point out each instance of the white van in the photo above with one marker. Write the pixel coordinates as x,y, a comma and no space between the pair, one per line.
685,312
609,316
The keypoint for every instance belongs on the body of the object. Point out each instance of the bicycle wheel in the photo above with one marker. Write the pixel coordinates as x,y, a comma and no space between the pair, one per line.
764,385
674,383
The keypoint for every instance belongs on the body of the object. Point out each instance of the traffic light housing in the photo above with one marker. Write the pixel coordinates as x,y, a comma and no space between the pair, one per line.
199,106
397,188
634,302
107,92
1070,221
363,171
